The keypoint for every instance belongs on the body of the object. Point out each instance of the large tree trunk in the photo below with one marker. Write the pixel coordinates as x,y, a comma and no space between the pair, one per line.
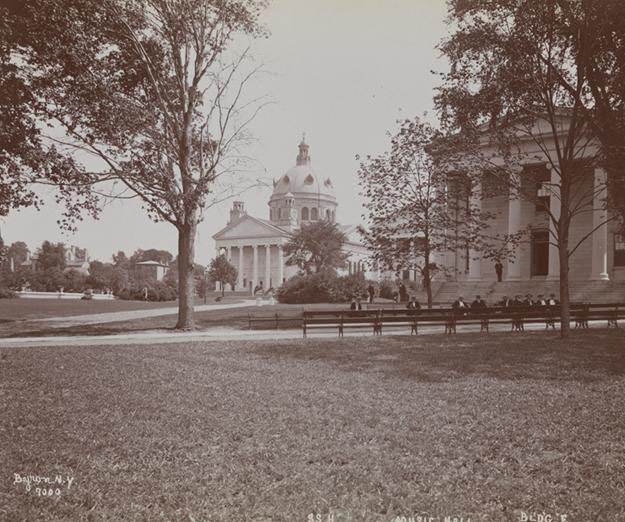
186,256
565,311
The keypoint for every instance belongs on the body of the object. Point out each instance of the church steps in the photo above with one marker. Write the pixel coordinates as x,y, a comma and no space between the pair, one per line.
491,292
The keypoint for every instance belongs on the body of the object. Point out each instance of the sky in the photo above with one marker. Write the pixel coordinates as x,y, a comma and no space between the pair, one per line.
342,71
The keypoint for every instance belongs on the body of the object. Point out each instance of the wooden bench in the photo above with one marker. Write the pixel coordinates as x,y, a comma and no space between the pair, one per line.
273,320
517,317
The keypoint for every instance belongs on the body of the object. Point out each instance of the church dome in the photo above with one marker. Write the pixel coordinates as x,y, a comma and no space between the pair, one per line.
301,179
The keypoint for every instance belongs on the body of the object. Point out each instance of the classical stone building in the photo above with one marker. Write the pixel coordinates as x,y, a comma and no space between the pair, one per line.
600,255
254,245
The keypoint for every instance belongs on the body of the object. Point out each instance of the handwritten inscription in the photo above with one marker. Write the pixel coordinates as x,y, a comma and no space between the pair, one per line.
44,485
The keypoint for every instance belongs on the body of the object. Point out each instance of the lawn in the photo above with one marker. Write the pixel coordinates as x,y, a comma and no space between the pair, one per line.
364,429
25,308
233,318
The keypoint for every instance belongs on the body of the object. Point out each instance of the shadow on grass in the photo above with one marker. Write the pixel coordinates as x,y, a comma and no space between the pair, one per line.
586,357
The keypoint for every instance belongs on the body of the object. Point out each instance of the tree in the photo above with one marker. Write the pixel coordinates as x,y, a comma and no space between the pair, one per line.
220,270
316,247
148,90
18,252
74,281
51,255
162,256
120,260
518,77
415,210
51,279
99,275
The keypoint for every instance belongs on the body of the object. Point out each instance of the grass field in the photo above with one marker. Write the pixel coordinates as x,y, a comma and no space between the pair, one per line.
363,429
232,318
22,308
19,309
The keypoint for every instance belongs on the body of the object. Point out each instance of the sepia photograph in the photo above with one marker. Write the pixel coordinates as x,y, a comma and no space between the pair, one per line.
312,261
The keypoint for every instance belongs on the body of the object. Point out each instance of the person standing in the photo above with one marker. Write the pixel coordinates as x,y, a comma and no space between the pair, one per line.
371,292
499,271
403,293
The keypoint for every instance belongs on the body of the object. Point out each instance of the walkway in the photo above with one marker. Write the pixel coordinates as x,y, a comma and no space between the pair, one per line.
231,334
128,315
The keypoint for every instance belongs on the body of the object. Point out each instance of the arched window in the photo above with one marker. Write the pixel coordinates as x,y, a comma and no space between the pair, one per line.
328,214
333,216
314,214
305,214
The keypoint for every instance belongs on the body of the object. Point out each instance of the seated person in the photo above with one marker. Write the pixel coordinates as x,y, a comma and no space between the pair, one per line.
459,306
528,300
540,301
478,304
552,301
413,304
356,304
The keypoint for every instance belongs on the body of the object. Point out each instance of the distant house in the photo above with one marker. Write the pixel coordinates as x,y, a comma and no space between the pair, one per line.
151,269
77,259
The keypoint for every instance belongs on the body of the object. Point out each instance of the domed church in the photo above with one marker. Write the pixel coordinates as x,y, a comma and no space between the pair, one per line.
254,245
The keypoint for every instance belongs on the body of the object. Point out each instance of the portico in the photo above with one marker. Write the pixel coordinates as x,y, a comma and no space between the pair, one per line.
259,263
537,257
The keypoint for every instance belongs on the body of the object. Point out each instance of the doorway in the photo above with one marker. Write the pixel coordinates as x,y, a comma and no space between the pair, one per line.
540,253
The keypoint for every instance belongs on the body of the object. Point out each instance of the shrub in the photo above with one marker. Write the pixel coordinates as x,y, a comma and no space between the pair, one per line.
345,288
387,289
157,291
313,288
322,288
6,293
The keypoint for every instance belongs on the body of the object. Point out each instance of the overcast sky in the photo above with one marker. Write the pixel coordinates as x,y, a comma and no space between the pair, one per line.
343,71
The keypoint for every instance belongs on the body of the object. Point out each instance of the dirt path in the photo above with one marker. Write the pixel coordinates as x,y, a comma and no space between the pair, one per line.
128,315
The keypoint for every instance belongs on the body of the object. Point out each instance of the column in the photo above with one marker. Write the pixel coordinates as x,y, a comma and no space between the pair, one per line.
240,283
280,265
267,267
229,253
255,267
599,270
514,225
555,207
475,257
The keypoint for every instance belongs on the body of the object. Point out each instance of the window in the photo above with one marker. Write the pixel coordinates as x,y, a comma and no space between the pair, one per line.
543,193
540,177
619,250
328,214
305,214
314,216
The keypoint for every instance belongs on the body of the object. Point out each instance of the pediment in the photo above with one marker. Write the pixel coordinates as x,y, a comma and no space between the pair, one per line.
249,227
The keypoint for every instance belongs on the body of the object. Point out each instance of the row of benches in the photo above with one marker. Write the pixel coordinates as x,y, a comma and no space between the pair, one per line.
380,319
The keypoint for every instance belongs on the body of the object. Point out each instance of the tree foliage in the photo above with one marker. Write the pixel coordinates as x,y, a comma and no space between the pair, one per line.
316,247
416,210
222,271
136,99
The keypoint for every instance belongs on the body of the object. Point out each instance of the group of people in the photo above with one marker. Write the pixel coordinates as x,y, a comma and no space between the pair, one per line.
517,302
356,303
460,307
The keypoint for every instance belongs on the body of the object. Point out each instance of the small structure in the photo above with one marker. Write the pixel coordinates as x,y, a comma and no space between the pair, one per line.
151,269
